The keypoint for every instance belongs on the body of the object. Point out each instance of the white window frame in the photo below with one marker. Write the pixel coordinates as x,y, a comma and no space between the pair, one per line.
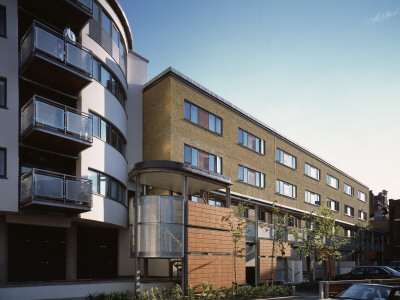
362,215
286,158
312,198
310,169
330,180
286,189
331,204
243,176
362,195
348,209
348,189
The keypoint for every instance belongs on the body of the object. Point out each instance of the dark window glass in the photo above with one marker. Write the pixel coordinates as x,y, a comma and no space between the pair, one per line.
96,71
106,23
188,154
105,78
203,118
187,111
3,94
114,138
3,164
96,12
2,21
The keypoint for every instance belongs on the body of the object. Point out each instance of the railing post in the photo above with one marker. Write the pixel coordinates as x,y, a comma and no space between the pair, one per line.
321,290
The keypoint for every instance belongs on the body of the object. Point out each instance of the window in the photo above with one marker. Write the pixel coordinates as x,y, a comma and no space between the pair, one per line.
332,204
2,20
332,181
3,93
203,159
293,221
285,158
349,211
251,177
109,81
348,189
349,233
362,196
203,118
108,187
250,141
286,189
262,216
106,23
311,171
362,215
108,133
312,198
3,162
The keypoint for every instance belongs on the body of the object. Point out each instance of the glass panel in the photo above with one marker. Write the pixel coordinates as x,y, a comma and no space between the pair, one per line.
96,12
26,187
2,21
240,173
211,162
96,70
78,191
104,185
188,154
94,177
240,136
245,139
2,93
203,118
48,186
95,125
218,126
195,160
115,35
211,123
204,161
79,58
49,115
103,130
87,3
219,165
27,117
187,111
79,124
106,23
194,114
105,78
114,138
2,162
114,189
49,43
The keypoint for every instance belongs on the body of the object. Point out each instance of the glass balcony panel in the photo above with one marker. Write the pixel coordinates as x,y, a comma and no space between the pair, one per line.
27,187
27,117
78,191
27,46
49,115
49,43
79,124
49,186
79,58
87,3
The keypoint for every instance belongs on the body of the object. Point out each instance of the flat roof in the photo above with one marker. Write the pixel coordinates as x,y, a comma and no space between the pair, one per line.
219,99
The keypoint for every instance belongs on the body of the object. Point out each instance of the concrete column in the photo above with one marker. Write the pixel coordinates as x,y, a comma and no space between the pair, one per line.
3,250
72,259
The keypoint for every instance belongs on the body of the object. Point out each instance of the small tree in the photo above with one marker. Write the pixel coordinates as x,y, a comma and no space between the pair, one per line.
236,224
322,237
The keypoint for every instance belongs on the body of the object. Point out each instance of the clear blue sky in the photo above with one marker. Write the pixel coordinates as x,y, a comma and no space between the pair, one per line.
324,73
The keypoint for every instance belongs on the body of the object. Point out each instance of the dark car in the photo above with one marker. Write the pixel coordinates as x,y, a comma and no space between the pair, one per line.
394,265
370,292
369,272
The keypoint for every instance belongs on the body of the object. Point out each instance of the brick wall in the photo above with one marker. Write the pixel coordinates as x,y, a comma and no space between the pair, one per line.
217,270
216,240
266,248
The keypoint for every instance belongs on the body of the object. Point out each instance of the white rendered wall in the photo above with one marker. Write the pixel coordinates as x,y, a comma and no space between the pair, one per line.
9,117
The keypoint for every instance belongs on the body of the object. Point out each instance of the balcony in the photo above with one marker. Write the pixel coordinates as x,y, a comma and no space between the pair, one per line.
51,60
61,129
54,192
61,12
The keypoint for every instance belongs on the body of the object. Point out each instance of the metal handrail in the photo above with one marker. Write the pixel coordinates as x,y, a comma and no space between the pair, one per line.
63,56
65,109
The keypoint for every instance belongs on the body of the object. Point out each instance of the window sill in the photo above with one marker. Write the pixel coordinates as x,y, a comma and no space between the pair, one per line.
318,205
348,215
208,130
282,164
3,177
362,201
250,149
348,194
293,198
308,176
362,220
335,211
255,186
333,187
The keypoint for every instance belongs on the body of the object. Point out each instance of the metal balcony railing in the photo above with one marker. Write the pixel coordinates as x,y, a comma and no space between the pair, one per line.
58,189
49,43
43,113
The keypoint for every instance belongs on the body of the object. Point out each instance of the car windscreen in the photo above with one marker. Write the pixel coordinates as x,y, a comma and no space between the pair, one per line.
365,292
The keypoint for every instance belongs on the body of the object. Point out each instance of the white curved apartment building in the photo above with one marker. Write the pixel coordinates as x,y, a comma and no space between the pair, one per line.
71,127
